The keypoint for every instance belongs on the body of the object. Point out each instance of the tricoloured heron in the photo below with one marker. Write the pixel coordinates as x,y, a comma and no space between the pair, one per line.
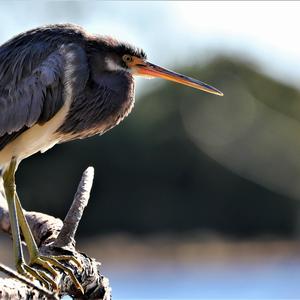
59,83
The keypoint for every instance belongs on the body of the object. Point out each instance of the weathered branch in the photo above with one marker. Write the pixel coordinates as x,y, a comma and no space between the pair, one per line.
55,237
13,289
66,236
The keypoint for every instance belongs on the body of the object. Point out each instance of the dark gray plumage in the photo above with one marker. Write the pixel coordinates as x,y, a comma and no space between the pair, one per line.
58,83
41,69
76,83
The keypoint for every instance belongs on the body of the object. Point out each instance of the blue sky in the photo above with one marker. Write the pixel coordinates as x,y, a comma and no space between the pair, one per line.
178,33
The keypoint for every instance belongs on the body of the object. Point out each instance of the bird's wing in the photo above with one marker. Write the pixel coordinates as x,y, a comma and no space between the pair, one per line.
34,83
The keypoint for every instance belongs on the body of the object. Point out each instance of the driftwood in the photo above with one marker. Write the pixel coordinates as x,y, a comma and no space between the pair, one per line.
55,237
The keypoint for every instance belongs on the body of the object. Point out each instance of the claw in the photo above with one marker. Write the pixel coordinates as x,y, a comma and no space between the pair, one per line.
40,261
67,270
70,258
41,276
49,262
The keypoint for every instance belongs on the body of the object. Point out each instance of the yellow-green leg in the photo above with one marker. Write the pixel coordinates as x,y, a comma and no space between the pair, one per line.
48,262
9,187
17,218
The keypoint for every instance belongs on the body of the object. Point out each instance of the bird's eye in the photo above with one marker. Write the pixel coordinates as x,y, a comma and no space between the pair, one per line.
127,58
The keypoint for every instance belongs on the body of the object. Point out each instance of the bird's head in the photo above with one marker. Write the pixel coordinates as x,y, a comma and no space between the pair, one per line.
128,58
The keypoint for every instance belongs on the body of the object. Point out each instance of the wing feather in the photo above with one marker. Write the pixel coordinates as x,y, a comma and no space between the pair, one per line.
36,76
22,104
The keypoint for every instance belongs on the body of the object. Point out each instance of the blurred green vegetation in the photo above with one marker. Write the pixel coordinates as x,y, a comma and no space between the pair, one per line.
152,178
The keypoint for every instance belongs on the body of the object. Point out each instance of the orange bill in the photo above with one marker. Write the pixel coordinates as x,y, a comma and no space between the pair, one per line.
151,70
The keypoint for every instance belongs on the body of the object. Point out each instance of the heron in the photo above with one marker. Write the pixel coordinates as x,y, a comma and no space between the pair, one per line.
59,83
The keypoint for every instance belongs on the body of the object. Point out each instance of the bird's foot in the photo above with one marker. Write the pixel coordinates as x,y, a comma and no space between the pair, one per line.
33,274
49,263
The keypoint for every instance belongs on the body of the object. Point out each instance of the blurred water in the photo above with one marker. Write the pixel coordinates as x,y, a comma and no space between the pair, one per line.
277,280
218,271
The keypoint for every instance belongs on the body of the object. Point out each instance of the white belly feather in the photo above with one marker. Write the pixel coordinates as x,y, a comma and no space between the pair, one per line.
35,139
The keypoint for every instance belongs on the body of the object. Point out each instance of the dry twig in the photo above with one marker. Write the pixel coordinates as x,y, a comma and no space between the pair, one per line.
55,237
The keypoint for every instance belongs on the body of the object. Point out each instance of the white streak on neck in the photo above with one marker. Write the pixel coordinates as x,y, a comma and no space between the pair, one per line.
111,65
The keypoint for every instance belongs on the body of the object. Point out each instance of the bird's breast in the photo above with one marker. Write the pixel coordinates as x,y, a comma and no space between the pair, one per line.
93,111
99,108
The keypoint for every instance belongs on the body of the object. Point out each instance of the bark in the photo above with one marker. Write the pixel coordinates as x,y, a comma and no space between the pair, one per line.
55,237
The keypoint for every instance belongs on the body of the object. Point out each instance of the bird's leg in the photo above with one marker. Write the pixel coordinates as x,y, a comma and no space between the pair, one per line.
9,187
17,218
10,192
35,258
